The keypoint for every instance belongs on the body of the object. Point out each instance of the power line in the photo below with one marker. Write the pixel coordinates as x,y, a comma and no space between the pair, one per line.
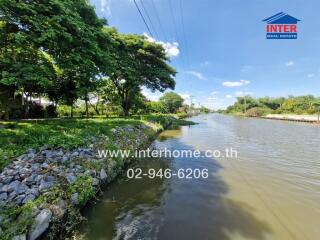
143,18
184,33
152,26
158,19
174,21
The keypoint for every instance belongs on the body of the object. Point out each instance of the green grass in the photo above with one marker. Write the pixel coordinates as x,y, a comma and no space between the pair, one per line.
17,137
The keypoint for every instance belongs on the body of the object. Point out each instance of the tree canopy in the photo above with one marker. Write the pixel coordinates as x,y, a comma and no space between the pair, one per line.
61,49
298,105
171,101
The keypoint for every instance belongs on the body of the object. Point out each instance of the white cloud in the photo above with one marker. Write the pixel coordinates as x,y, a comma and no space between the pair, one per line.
214,93
212,98
153,96
310,75
229,96
290,63
236,84
105,7
196,74
185,96
246,68
171,48
240,93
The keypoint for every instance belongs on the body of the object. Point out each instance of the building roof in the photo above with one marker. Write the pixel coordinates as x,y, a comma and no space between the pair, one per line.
281,18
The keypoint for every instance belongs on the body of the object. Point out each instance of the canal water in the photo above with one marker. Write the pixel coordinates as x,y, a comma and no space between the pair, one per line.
270,191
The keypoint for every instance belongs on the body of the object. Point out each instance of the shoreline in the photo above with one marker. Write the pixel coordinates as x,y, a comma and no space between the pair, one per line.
313,119
51,205
292,117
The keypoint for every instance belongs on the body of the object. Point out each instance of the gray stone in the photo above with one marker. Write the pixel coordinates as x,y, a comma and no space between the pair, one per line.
7,179
71,178
5,188
23,157
30,180
59,153
28,198
75,154
39,178
18,200
25,171
64,159
12,196
30,150
75,198
34,211
35,167
41,224
50,178
3,196
95,182
45,165
18,187
103,175
45,185
20,237
34,191
30,156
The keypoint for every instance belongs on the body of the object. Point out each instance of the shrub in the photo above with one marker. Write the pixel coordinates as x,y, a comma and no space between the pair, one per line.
36,111
256,112
51,111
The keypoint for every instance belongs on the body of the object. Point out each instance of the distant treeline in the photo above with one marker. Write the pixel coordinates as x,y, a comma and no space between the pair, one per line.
251,106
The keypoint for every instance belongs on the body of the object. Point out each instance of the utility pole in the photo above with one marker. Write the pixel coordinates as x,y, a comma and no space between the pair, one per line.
191,101
245,104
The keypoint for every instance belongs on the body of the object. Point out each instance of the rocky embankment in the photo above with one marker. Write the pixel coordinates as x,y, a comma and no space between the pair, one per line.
42,191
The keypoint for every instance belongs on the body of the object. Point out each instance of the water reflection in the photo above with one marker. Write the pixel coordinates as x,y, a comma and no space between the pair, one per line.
266,195
119,213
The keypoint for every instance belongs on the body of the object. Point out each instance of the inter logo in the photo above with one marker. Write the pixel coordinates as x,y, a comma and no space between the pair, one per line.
281,26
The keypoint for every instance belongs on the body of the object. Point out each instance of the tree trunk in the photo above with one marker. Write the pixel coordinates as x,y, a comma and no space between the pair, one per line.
6,115
87,107
71,113
126,112
125,105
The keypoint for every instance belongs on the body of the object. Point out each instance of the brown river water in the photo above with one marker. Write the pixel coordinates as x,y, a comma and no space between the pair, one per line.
270,191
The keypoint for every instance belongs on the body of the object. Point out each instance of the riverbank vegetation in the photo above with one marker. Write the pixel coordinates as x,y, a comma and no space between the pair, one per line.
256,107
18,137
59,59
52,168
61,52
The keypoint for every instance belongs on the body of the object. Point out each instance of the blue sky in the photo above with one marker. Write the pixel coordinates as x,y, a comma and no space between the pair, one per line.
222,52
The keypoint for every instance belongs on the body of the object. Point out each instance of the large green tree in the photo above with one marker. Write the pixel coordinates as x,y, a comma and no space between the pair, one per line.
135,62
68,32
171,101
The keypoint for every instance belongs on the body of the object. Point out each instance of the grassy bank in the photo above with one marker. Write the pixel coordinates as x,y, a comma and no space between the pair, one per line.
61,135
17,137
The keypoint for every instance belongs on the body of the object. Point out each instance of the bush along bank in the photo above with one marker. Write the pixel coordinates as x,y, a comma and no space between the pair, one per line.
42,192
